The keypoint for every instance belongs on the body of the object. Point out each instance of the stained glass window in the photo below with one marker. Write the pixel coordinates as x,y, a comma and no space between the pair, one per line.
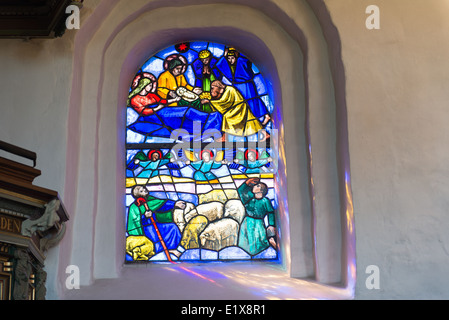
200,166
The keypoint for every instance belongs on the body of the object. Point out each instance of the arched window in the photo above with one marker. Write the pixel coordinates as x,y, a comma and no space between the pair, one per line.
200,164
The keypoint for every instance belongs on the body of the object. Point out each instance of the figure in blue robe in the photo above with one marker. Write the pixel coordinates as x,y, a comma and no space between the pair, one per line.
254,166
204,166
238,70
205,70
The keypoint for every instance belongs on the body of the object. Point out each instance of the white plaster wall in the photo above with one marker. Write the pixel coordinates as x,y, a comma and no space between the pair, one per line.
35,87
35,79
397,100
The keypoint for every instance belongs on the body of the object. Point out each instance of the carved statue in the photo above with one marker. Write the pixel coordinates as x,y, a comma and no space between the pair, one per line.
22,275
50,232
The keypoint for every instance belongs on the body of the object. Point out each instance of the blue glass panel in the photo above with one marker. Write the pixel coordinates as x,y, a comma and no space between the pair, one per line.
208,254
187,172
131,116
269,253
172,196
223,171
159,195
192,198
175,173
166,52
153,119
130,155
191,254
233,253
191,56
137,171
260,84
143,128
129,200
129,174
134,137
226,81
158,140
198,46
270,194
164,132
267,101
190,76
255,69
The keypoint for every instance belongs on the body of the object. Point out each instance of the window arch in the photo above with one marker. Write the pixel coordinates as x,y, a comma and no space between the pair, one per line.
200,164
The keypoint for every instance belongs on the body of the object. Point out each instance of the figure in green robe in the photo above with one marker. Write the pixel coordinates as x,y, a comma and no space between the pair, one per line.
254,236
161,211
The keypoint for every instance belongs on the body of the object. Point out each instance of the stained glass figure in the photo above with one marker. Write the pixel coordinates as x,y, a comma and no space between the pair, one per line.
199,172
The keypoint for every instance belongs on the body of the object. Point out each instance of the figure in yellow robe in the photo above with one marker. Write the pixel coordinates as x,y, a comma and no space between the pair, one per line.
171,79
238,119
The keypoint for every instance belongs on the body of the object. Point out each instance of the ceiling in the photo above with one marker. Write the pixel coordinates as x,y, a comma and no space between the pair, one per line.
33,18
